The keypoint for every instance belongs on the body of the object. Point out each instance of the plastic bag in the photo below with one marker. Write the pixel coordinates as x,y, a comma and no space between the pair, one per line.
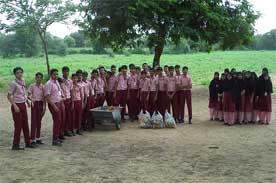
144,120
157,120
169,121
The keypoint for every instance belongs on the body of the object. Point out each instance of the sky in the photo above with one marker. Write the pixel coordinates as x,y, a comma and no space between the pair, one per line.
264,24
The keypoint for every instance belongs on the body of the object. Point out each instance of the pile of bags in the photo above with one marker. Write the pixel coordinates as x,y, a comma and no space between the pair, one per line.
156,121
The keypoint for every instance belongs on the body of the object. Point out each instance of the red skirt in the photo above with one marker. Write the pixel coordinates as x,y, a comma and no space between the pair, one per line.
219,106
213,103
228,103
265,103
248,104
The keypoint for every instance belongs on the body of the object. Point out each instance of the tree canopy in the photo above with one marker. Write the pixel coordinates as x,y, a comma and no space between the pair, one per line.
123,23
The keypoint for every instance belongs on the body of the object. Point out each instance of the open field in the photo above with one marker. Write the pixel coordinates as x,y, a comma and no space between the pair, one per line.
202,65
204,152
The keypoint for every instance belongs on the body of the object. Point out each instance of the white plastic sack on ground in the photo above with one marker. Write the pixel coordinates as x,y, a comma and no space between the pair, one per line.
144,120
169,121
157,120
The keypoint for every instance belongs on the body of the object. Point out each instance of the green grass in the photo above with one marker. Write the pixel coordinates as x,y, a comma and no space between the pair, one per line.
201,65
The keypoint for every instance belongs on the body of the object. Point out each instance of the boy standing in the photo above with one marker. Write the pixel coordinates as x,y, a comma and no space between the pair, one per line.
38,107
17,97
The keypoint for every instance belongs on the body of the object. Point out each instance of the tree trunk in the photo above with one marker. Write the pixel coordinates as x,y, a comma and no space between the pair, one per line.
159,46
45,48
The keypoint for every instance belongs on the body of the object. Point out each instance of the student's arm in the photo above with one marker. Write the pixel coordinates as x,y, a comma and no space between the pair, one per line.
116,85
10,98
49,101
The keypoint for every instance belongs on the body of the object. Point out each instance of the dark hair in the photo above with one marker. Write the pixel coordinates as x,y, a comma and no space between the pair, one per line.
216,73
113,67
52,71
138,68
166,66
185,67
60,80
171,68
177,66
226,70
265,70
159,69
17,69
143,72
65,69
79,71
123,67
131,66
109,72
95,71
74,75
144,64
85,74
119,69
39,74
101,67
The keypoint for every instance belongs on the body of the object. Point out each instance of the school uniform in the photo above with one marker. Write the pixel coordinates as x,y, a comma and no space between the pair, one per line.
255,113
185,96
100,86
110,90
152,103
173,102
213,98
67,88
162,99
121,93
77,102
219,106
91,102
177,96
85,113
265,102
18,91
249,99
36,93
144,87
239,95
229,102
133,102
53,89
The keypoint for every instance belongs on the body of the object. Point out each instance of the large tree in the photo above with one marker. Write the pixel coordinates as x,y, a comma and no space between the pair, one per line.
37,14
122,23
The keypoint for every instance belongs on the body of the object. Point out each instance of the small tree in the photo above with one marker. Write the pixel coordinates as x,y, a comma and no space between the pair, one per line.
70,41
38,15
122,23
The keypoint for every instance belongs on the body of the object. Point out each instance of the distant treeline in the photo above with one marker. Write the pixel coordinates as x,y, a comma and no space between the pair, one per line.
25,43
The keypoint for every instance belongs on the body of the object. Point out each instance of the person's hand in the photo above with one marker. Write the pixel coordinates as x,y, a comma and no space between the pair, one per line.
16,108
56,109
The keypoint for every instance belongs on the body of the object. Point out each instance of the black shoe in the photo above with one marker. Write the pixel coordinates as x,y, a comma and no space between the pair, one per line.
190,121
33,143
60,141
181,121
39,142
17,148
68,134
62,137
56,143
31,146
73,133
79,132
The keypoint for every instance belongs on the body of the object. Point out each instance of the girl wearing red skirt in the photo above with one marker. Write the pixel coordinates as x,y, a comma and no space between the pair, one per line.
255,112
239,98
219,106
249,97
264,102
213,96
228,100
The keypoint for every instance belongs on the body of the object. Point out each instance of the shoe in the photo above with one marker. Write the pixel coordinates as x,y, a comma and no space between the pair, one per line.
33,143
31,146
17,148
73,133
60,141
39,142
79,132
68,134
190,120
61,137
56,143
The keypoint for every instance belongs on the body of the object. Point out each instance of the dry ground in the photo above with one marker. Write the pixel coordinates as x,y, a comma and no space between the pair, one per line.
203,152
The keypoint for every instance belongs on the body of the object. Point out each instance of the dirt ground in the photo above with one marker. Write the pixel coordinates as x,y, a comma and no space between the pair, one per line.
202,152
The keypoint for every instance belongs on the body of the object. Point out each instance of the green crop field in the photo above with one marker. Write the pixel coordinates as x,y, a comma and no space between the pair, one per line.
201,65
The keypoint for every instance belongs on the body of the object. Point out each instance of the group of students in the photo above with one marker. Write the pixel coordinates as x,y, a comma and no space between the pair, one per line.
70,98
240,97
